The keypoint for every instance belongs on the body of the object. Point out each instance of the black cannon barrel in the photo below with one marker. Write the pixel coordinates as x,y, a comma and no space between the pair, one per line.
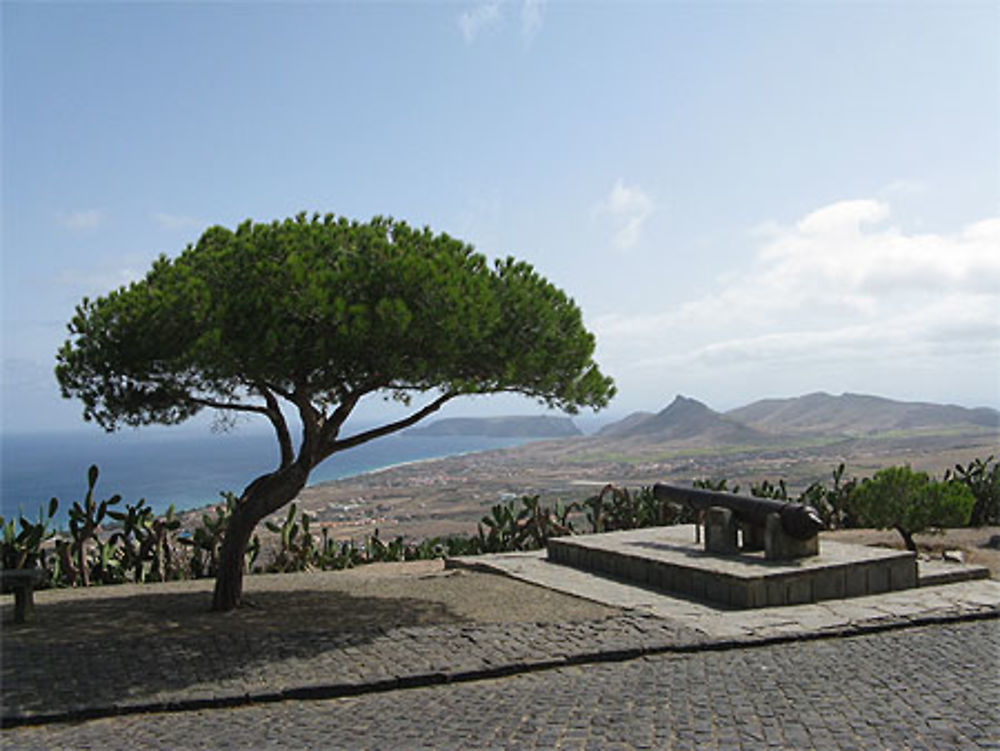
797,519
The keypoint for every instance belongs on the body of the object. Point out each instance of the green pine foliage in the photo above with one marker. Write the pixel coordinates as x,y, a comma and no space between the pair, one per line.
911,502
324,309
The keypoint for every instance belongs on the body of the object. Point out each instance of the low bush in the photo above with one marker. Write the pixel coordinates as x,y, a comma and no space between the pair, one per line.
911,502
982,478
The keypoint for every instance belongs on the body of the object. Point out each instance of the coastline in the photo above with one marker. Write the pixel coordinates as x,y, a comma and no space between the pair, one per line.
361,477
189,472
414,463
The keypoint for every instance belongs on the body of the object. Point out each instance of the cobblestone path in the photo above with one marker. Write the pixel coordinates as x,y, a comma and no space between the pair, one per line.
932,687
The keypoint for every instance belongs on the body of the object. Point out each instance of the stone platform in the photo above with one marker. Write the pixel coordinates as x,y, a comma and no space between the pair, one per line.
668,559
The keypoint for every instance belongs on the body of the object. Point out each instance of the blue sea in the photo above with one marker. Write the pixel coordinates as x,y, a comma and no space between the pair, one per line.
186,470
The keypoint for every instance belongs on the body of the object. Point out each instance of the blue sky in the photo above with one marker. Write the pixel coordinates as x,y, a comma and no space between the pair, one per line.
747,200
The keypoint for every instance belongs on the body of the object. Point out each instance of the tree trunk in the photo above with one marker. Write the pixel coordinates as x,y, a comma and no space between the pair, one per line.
907,539
978,516
83,565
263,496
229,576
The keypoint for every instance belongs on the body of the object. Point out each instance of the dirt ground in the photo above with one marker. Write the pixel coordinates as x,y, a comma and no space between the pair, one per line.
380,595
973,542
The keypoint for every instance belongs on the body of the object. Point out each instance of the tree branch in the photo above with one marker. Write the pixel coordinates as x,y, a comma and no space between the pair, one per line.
272,411
392,427
331,428
312,421
228,406
283,393
280,426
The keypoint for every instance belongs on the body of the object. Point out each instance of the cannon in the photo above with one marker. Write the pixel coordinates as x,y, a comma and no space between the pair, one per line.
782,529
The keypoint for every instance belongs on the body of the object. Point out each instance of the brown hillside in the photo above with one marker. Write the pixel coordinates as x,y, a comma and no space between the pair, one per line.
856,414
684,420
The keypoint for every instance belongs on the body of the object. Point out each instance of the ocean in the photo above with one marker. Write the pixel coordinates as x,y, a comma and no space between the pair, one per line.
188,470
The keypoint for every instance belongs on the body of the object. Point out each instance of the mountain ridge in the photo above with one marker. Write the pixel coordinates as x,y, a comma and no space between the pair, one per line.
857,414
816,414
684,419
687,421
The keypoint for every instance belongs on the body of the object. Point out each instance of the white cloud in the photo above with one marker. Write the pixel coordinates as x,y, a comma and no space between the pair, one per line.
531,19
473,21
837,292
175,222
629,207
88,219
490,15
845,217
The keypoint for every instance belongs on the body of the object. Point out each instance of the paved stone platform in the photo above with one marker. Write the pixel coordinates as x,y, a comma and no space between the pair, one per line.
722,624
669,559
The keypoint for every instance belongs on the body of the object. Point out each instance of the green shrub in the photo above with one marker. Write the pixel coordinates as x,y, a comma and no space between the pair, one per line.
766,489
617,508
911,502
205,542
833,504
983,479
85,520
24,549
298,551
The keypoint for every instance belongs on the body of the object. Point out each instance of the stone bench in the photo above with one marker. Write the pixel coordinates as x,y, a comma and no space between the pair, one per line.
22,582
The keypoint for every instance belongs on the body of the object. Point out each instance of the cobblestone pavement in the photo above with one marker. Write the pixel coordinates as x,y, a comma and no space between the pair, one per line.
448,657
42,681
82,659
930,687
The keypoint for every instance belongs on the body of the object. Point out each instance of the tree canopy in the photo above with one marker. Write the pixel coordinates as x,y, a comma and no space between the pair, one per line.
911,502
318,312
328,310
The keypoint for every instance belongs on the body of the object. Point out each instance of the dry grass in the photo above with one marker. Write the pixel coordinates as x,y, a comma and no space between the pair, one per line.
973,542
